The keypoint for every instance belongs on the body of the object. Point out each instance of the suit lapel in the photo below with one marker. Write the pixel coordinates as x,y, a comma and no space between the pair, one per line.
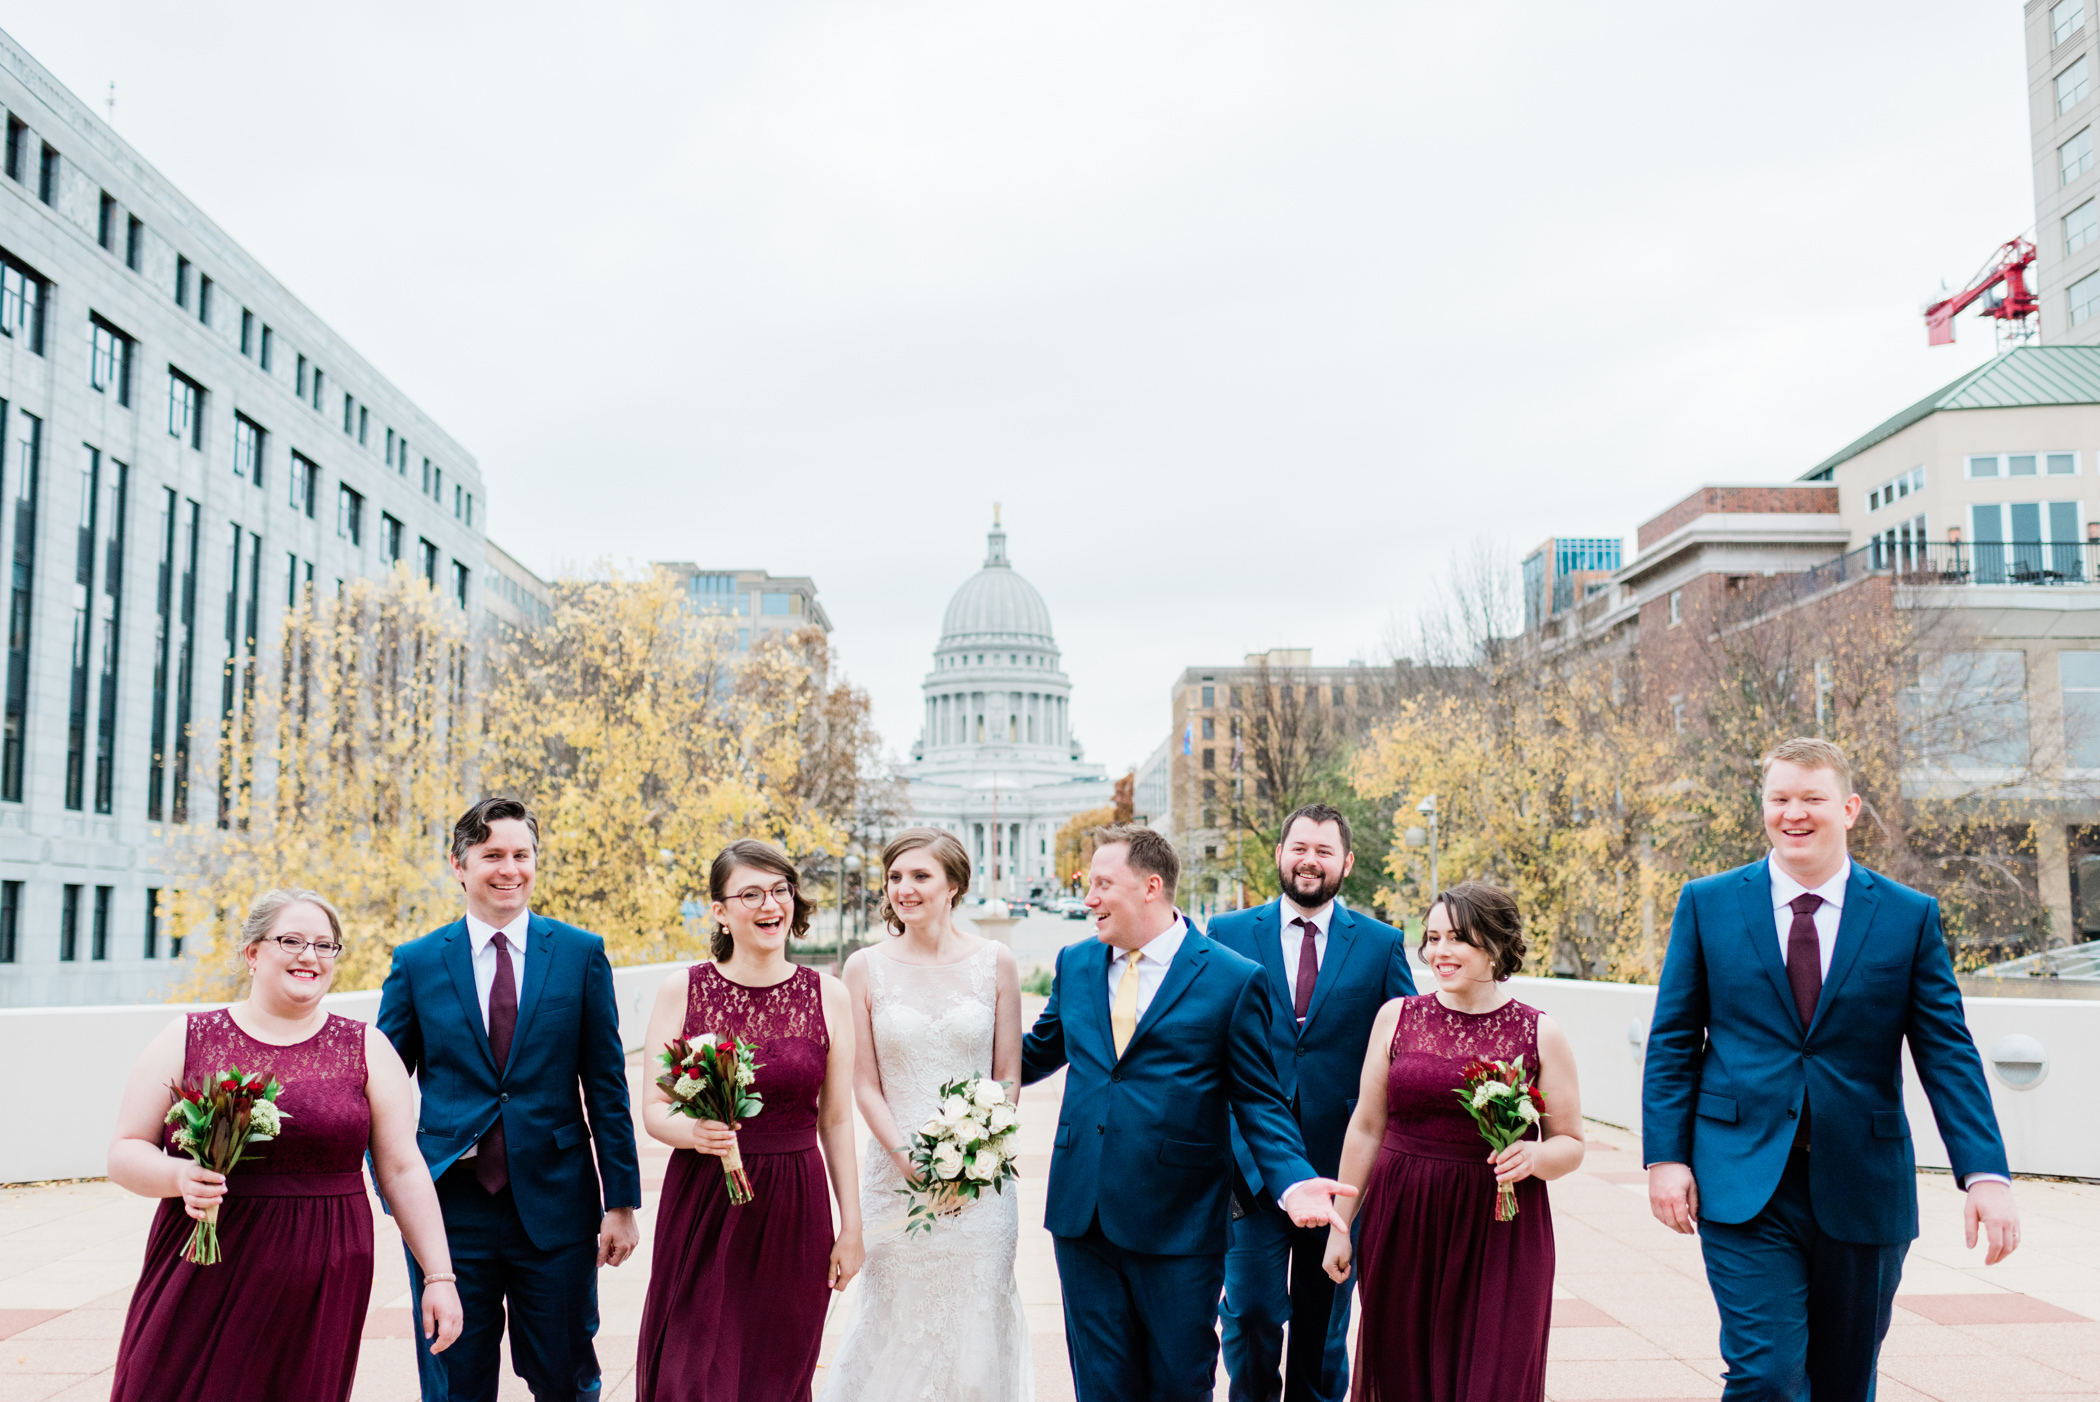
459,962
1268,946
1188,962
539,937
1763,931
1093,967
1341,938
1853,925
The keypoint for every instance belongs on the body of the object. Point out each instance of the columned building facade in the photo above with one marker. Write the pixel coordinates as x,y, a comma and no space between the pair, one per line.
996,762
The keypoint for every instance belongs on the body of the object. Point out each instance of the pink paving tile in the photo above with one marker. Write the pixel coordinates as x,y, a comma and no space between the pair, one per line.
13,1322
1580,1314
393,1323
1621,1176
2004,1307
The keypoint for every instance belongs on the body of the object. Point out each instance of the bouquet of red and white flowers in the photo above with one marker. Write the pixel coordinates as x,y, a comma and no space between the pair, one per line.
709,1078
216,1120
968,1144
1505,1104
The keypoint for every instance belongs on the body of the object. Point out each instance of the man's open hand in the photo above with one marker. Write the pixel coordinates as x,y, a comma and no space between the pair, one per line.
1311,1203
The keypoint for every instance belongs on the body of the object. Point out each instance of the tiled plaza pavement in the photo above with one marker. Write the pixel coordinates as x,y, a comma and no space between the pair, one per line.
1632,1315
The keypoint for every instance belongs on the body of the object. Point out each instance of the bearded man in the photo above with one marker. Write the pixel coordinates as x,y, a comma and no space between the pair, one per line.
1333,968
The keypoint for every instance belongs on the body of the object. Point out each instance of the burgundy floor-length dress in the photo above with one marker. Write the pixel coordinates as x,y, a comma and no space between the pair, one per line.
737,1295
279,1317
1454,1305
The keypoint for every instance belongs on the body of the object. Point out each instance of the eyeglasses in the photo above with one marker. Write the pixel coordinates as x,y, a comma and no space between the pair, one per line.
782,895
294,946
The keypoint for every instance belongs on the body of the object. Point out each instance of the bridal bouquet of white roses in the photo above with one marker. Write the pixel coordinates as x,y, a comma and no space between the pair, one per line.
967,1146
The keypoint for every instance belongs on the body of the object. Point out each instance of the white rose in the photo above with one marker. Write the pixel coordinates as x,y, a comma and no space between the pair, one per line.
1004,1117
984,1165
954,1110
948,1161
705,1039
988,1094
933,1129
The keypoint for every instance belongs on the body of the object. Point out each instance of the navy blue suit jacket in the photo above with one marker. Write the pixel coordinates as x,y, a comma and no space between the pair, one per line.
1143,1142
1319,1065
565,1057
1729,1062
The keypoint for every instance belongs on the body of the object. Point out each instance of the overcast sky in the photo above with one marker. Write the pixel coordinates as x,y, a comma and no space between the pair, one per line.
1249,314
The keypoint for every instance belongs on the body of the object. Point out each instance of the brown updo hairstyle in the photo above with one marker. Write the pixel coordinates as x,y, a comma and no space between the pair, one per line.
1485,917
759,856
954,863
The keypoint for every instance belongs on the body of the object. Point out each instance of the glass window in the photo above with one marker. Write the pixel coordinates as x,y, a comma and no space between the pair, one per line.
2063,464
349,515
2080,674
109,360
2075,157
2081,226
2071,87
2066,18
248,449
1210,696
1983,467
2019,465
776,604
185,408
2085,297
22,305
1969,710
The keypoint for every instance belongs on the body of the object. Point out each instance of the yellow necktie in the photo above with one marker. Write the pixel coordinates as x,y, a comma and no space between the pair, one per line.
1122,1018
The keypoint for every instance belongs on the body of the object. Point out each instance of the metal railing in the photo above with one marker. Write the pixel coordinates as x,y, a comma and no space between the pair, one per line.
1948,563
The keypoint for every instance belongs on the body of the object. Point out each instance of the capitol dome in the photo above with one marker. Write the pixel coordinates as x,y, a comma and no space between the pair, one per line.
996,606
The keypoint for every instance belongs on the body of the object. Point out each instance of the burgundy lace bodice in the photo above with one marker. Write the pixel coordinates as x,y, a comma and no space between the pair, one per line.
1432,1046
787,1023
328,1120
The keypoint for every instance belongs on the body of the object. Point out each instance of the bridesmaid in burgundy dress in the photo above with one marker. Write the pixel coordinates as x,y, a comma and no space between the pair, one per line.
737,1295
1455,1306
279,1317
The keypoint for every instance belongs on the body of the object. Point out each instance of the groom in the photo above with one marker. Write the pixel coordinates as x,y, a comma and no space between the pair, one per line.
1167,1037
1772,1114
507,1021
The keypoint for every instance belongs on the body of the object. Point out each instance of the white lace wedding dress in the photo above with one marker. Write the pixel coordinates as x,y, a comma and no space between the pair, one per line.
939,1315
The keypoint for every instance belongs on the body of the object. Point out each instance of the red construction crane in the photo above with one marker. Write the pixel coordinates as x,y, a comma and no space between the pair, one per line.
2007,264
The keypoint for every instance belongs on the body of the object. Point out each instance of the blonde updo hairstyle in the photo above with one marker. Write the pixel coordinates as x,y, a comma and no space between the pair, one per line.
954,863
262,917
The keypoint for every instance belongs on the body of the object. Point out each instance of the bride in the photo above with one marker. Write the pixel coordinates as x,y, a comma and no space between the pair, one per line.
939,1317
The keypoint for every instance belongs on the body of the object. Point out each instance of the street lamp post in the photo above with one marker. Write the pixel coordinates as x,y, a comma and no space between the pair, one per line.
1426,837
848,863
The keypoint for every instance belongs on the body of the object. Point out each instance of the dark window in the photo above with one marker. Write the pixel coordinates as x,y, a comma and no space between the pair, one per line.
23,293
426,476
269,347
185,665
10,910
461,576
389,538
237,680
109,358
247,332
47,176
389,447
134,242
116,507
163,635
437,491
99,939
349,515
152,946
16,130
182,281
364,424
83,628
1210,696
427,562
1210,759
69,924
470,508
204,300
1339,697
248,440
106,223
349,413
318,377
1210,728
185,408
29,440
306,484
1210,788
302,377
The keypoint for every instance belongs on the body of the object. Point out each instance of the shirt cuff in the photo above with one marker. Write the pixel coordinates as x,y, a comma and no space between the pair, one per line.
1973,1179
1288,1191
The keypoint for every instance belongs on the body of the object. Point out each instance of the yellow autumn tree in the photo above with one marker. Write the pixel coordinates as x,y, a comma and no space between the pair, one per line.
369,716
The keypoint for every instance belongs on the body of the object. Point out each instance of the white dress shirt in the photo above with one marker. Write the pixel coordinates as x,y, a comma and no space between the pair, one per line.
1293,936
481,937
1827,916
1153,961
1784,891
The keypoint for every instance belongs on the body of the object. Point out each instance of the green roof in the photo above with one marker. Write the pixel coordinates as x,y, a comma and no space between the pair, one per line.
2022,377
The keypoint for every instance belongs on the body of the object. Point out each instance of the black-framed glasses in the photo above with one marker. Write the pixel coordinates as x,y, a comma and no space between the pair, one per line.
294,946
754,898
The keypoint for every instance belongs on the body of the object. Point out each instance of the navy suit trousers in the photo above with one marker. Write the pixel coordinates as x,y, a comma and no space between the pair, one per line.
1139,1326
1273,1276
549,1296
1802,1313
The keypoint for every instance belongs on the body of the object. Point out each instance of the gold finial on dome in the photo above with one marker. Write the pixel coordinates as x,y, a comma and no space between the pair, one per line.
995,513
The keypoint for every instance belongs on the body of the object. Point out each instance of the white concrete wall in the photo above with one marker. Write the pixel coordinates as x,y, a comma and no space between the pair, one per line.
2049,1127
96,1046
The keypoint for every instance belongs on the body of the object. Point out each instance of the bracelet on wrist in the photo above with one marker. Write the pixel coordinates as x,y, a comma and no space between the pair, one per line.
441,1278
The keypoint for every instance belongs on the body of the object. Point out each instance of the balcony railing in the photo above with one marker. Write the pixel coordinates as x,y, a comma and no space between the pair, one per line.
2039,563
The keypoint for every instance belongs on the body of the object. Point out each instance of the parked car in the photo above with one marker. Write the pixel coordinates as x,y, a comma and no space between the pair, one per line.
1072,908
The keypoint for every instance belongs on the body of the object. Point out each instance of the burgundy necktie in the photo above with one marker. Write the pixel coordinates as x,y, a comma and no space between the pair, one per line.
1804,956
491,1165
1308,969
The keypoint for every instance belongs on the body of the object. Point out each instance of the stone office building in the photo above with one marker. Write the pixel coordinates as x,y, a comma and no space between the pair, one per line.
186,448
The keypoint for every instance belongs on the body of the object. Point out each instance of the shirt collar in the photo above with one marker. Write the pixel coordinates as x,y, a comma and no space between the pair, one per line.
1290,913
481,933
1160,949
1785,888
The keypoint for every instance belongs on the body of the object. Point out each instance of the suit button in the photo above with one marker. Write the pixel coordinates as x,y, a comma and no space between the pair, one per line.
1808,1051
1100,1129
1301,1051
504,1097
1793,1114
1115,1075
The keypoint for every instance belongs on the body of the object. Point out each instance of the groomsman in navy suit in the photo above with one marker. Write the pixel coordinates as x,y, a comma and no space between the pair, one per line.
1332,969
1167,1037
1772,1115
507,1020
